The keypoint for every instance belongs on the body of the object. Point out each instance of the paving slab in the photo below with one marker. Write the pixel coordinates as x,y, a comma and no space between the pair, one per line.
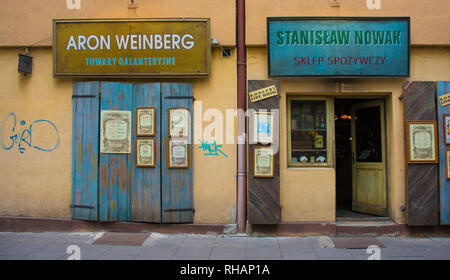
114,257
125,250
391,241
194,251
404,251
5,243
158,251
93,252
25,248
227,253
299,255
262,248
327,253
439,254
235,242
45,255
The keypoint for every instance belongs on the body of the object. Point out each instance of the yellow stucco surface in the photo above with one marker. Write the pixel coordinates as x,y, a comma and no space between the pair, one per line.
38,184
427,17
308,194
19,18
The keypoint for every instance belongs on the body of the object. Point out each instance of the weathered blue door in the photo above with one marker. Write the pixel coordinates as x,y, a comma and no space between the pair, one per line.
85,153
443,88
110,187
146,182
115,169
176,191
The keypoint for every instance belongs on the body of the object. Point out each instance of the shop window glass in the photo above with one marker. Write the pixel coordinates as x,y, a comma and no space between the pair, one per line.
308,133
368,137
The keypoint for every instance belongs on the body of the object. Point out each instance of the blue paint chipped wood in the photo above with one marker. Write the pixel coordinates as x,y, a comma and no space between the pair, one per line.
443,88
111,183
145,181
85,151
176,187
115,169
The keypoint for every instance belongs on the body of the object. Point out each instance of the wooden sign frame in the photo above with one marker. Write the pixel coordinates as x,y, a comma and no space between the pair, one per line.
446,129
137,151
170,165
255,148
187,122
153,114
433,142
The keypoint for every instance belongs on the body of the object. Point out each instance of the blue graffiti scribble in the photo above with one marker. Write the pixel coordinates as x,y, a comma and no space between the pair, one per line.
23,139
212,149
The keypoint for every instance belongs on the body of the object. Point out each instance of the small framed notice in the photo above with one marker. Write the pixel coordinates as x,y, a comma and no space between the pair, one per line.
447,164
263,162
178,153
422,142
179,122
447,128
115,132
145,121
145,152
263,124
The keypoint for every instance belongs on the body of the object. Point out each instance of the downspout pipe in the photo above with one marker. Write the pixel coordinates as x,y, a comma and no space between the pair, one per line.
241,122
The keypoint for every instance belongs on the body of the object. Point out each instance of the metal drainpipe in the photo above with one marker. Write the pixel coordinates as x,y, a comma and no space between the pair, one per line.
241,123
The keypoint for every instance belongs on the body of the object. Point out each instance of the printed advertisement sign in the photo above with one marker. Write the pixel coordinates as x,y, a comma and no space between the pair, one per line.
141,47
338,47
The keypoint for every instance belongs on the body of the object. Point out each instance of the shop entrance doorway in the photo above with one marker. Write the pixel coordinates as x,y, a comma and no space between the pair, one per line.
360,159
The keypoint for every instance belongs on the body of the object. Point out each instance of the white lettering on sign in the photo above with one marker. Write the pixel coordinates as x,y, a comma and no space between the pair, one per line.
132,42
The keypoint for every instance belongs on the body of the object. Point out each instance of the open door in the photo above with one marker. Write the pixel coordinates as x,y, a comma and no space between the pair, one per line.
368,158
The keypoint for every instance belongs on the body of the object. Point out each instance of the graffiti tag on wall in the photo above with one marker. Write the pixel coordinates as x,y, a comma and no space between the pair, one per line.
211,149
20,135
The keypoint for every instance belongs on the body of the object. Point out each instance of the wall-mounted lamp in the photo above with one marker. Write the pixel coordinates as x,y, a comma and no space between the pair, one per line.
214,42
25,63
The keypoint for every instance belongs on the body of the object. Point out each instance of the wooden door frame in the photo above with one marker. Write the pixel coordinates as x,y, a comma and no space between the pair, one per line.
367,207
384,98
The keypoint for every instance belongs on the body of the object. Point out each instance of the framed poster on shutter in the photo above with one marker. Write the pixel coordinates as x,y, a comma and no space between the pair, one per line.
115,132
422,142
263,162
179,122
145,152
145,121
178,153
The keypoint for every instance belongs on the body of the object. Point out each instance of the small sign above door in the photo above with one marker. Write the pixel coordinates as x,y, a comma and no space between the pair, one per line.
263,93
132,48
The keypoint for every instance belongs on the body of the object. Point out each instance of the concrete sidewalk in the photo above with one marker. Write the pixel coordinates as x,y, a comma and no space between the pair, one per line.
53,246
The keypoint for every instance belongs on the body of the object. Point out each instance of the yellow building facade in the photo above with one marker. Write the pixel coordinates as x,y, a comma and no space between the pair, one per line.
36,183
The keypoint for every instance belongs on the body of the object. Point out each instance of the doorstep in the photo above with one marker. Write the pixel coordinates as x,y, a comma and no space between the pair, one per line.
367,228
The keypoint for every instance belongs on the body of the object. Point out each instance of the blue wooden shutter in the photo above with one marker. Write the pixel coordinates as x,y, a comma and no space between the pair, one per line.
145,182
176,187
85,150
115,169
443,89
